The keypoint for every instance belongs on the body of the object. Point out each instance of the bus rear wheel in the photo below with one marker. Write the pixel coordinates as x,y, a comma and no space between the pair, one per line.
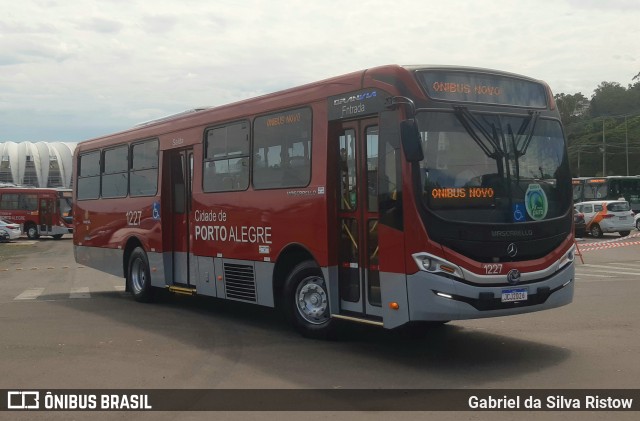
139,276
307,301
32,232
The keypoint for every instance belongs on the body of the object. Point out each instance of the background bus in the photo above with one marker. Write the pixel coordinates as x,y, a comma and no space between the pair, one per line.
385,196
39,211
608,188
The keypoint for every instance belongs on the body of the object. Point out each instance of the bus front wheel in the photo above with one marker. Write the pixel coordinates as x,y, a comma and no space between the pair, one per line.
32,232
139,276
307,301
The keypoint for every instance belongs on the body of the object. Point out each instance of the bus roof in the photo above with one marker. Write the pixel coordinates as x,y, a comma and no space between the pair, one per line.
287,98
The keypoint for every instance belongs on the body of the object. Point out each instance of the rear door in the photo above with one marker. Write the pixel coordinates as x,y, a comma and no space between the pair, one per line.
181,173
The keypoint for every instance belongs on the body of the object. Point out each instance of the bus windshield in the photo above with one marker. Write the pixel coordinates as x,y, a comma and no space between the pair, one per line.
492,168
66,205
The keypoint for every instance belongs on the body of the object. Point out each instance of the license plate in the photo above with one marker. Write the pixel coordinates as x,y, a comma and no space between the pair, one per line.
622,218
514,294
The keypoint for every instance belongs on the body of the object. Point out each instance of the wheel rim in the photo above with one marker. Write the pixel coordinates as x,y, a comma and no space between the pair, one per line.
32,232
595,231
311,300
138,276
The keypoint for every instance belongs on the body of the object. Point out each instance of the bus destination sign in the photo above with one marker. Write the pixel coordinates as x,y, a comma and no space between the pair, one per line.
482,88
461,196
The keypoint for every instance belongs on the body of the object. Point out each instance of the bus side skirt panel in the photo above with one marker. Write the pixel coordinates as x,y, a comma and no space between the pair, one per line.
331,276
100,258
393,289
248,281
157,268
205,278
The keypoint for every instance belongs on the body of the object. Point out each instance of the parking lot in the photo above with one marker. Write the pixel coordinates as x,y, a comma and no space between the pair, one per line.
68,326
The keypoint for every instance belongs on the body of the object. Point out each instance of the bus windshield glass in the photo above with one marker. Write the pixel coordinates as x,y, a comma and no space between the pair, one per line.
492,168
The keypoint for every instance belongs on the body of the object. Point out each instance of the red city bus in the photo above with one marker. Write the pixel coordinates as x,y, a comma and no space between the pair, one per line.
40,211
385,196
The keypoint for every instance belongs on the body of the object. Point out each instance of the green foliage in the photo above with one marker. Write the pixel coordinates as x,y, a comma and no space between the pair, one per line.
614,110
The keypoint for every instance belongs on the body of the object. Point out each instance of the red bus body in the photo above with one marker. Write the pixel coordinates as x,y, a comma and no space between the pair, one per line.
39,211
328,220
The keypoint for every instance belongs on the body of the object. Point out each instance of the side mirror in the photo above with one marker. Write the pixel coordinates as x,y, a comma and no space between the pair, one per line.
411,142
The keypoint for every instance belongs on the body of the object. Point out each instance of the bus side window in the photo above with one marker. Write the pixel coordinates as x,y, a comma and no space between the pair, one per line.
226,163
283,142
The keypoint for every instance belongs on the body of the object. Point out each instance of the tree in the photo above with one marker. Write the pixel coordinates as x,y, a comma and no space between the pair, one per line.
609,98
571,107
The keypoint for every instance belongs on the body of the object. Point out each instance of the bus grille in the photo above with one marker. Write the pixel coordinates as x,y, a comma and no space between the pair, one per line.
240,282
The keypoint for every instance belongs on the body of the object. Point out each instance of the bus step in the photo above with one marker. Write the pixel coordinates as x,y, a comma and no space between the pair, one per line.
182,290
358,319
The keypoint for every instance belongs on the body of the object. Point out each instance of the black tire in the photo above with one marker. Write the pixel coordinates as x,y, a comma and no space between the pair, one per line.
638,224
139,276
57,236
624,233
595,231
32,232
306,301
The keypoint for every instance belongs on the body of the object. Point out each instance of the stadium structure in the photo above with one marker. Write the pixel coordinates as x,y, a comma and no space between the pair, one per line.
39,164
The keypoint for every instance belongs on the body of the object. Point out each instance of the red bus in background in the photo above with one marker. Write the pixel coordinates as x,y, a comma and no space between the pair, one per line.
39,211
385,196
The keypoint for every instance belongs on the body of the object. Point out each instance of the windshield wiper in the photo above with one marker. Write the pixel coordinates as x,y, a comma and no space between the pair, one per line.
466,119
528,124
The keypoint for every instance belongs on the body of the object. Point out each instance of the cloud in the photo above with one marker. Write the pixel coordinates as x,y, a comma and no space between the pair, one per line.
100,25
120,62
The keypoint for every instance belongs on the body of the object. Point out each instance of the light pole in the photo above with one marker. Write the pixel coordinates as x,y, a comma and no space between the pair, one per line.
604,153
626,142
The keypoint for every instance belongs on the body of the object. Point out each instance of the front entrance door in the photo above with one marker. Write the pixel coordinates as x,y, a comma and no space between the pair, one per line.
46,215
181,170
358,253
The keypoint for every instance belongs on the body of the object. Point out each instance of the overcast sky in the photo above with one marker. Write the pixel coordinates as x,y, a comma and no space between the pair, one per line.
71,70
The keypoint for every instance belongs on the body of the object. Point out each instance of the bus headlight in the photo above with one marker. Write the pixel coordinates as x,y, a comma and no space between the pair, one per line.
568,257
429,263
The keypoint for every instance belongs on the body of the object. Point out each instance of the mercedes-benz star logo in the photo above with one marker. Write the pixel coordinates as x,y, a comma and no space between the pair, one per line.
512,250
513,277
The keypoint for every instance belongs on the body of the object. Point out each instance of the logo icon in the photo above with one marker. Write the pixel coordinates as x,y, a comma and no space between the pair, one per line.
23,399
535,200
513,277
512,250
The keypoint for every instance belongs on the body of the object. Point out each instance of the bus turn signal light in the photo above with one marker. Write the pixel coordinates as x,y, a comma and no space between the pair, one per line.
447,269
394,306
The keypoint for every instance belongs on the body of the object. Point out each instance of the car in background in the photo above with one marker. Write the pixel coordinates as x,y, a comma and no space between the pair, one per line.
637,221
9,231
578,223
607,216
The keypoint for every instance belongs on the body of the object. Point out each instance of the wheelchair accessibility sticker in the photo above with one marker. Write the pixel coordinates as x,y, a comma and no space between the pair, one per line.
519,212
156,211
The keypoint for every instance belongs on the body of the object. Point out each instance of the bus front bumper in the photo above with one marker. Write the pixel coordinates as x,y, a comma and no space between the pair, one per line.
438,298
